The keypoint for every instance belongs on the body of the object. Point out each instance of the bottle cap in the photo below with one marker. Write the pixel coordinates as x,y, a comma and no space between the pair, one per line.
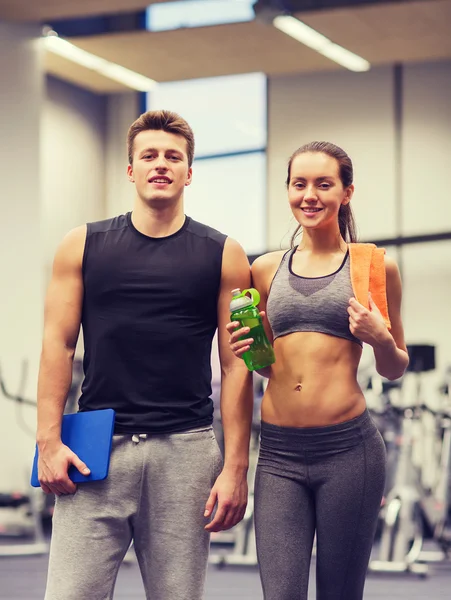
241,299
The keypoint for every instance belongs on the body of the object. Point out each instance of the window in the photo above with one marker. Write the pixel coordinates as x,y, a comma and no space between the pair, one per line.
227,114
197,13
229,194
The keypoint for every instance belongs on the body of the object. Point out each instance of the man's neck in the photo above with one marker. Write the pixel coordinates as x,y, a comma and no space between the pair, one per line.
158,221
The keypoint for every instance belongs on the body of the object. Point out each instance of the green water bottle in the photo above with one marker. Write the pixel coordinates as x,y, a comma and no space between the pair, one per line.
244,310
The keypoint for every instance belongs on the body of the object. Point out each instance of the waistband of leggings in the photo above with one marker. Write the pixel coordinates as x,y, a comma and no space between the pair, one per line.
361,426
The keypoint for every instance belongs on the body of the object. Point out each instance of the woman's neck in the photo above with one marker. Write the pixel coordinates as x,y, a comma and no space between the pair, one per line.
322,241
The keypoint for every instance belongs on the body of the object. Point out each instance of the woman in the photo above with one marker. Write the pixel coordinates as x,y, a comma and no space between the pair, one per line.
322,461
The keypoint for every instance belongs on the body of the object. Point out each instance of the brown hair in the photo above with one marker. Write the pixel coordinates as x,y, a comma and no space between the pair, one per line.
345,217
162,120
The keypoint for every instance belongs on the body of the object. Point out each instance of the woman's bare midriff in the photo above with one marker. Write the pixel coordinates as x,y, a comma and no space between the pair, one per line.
313,381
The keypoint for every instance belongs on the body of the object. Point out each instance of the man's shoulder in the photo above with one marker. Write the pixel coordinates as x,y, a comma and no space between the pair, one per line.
113,223
205,231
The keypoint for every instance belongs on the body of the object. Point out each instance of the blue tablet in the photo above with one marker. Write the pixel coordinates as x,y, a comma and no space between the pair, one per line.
89,434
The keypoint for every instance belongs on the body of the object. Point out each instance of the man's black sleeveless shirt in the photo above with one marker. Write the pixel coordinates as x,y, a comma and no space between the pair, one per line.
149,317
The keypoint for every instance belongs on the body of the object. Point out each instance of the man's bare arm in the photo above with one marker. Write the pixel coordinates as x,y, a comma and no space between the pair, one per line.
230,490
63,308
236,380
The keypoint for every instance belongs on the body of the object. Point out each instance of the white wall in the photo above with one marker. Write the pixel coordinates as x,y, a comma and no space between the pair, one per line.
426,148
426,208
352,110
83,146
427,297
122,110
73,162
21,303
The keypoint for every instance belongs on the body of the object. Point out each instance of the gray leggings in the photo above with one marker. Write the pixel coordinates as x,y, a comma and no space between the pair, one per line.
324,479
155,495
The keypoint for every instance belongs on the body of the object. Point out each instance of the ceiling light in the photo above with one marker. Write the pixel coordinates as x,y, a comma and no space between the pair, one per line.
323,45
63,48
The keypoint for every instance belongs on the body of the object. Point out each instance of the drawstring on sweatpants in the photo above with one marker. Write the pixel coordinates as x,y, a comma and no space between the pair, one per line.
136,437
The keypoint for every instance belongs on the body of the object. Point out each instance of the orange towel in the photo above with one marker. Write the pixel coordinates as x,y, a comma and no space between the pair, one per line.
368,275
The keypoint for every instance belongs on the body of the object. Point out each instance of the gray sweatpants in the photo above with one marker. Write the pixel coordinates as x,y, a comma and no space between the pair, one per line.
155,496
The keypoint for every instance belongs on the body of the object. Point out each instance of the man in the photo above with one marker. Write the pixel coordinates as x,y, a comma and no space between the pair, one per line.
149,289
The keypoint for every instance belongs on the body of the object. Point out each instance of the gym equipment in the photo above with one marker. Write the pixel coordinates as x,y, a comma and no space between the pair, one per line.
30,505
401,543
436,501
38,544
387,414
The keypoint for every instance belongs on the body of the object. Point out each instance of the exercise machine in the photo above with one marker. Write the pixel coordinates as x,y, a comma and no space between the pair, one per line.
402,537
28,507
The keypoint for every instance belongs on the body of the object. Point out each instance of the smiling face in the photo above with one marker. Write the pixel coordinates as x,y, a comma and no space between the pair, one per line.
315,190
160,169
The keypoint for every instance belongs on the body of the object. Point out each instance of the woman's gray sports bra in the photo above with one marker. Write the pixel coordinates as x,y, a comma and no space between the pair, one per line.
318,304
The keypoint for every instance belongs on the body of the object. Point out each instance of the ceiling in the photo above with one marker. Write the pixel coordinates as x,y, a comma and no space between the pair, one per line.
381,33
52,10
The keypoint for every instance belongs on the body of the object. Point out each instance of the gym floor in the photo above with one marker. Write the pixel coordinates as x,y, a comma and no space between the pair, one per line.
24,579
